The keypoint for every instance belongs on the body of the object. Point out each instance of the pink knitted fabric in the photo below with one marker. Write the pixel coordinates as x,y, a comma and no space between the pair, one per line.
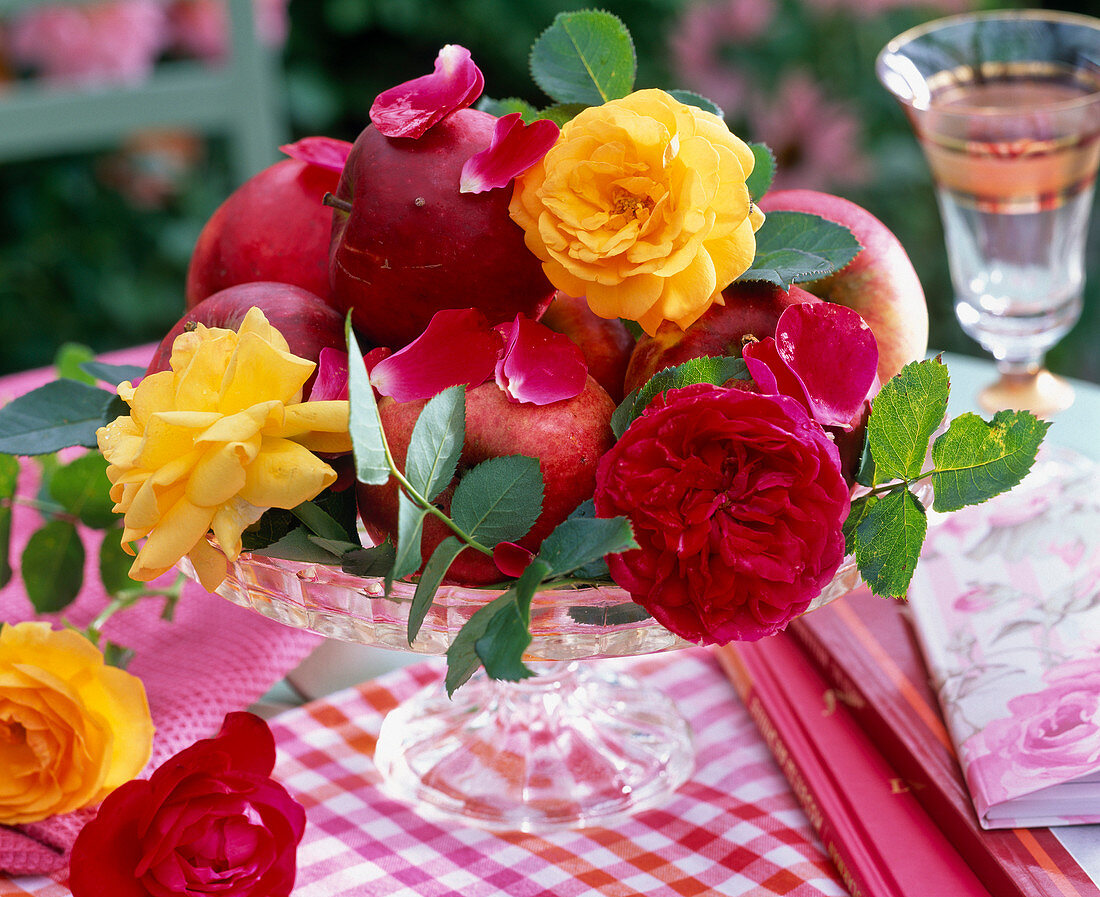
212,658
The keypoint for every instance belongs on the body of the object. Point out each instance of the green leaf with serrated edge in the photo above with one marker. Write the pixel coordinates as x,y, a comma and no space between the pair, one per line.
338,548
277,522
57,415
69,362
319,522
584,57
112,374
561,113
705,369
975,460
691,98
889,540
508,633
297,545
577,541
763,170
796,247
865,474
81,487
114,562
499,500
462,658
410,527
53,566
374,561
115,655
905,414
507,106
436,442
434,571
860,508
616,615
368,441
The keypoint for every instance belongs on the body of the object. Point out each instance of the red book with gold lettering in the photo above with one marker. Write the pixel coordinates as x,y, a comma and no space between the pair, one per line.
883,842
867,652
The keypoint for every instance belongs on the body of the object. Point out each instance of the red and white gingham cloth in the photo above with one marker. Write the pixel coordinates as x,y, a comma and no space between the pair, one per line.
734,828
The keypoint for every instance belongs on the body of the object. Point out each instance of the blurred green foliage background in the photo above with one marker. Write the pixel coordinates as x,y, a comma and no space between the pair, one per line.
85,257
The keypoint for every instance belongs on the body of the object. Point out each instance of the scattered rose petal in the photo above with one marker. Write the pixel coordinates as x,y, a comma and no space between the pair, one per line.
410,109
515,147
539,366
833,352
511,559
771,373
324,152
331,382
457,346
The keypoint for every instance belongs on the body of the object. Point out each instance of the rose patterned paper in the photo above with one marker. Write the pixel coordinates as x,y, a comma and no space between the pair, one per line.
1006,602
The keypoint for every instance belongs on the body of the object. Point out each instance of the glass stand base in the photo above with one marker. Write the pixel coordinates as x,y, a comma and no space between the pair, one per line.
570,748
1039,391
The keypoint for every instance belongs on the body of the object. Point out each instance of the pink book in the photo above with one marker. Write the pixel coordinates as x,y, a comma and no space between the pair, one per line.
1006,605
883,842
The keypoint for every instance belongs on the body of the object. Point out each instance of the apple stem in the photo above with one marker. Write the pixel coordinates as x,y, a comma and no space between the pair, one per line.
334,202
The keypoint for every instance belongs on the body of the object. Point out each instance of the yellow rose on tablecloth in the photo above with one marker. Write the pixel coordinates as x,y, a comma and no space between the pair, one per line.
641,206
213,443
72,729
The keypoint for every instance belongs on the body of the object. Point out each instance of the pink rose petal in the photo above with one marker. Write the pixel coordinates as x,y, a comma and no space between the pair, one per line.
515,147
457,346
539,366
772,375
511,559
832,351
324,152
331,383
410,109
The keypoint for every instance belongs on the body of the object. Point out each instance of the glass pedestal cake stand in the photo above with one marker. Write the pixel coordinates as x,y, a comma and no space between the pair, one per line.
576,745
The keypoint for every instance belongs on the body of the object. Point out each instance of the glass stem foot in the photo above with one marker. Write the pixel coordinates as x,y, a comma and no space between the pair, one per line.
1032,388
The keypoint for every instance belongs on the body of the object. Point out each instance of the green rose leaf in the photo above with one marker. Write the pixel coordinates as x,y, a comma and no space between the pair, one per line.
81,487
905,414
690,98
112,374
462,656
368,441
410,527
436,442
431,577
9,476
584,57
320,522
578,541
861,507
508,634
70,360
114,562
705,369
53,566
615,615
499,500
888,541
976,460
763,171
507,106
374,561
560,113
299,545
795,247
57,415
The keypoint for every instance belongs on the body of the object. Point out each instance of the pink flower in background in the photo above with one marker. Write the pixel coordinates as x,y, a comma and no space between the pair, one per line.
816,141
699,43
1050,737
200,28
103,43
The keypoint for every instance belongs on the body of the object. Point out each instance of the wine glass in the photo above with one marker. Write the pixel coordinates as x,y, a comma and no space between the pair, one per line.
577,745
1006,106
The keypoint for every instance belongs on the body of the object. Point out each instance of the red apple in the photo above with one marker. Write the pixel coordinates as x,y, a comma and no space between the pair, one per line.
879,283
274,227
567,437
751,311
412,244
306,321
606,344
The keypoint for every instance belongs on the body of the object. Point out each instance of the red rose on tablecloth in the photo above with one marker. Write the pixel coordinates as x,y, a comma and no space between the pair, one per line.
209,820
737,503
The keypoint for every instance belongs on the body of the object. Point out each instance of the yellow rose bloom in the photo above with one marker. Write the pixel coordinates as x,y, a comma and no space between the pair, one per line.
72,729
213,443
641,206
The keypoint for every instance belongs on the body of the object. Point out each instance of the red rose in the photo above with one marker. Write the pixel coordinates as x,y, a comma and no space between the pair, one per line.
737,504
209,820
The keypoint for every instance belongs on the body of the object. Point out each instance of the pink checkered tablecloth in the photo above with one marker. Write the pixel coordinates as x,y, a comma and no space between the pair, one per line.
734,828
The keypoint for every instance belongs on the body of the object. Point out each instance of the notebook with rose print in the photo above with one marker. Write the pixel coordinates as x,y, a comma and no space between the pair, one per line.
1006,603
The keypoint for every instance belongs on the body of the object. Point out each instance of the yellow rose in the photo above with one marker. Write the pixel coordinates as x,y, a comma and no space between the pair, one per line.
72,729
213,443
641,206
